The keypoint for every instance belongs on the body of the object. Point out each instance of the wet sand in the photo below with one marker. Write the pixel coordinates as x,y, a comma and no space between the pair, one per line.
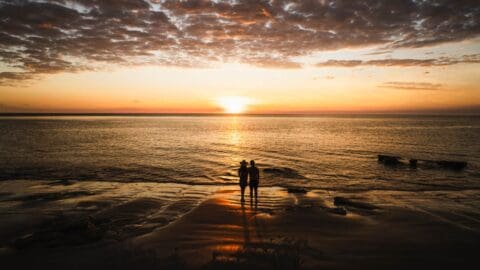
98,225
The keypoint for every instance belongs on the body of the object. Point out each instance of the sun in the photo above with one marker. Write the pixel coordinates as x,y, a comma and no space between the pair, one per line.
234,104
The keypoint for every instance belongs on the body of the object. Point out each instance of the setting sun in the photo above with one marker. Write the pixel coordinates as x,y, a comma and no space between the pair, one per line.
234,104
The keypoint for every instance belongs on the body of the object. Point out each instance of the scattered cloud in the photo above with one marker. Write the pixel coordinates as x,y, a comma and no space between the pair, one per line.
14,75
52,36
340,63
380,52
10,78
267,62
411,86
407,62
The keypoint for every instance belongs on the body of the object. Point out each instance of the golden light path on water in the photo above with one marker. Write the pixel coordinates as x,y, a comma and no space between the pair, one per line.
234,138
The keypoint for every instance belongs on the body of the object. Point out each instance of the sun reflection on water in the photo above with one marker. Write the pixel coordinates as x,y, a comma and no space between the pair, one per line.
234,136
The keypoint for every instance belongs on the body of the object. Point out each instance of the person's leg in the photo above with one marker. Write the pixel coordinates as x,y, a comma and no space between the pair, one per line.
242,190
251,190
256,191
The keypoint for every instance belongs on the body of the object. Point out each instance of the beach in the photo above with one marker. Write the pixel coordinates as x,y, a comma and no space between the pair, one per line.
97,225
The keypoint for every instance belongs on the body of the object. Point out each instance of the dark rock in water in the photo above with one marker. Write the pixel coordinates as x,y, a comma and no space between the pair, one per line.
297,190
339,201
283,172
62,182
413,163
338,211
444,164
452,165
389,160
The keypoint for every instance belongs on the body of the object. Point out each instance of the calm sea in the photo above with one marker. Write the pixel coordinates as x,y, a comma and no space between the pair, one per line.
331,152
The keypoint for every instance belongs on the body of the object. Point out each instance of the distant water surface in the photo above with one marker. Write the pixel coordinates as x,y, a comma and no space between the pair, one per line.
331,152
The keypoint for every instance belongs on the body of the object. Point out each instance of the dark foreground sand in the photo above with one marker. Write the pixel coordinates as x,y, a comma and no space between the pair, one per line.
169,226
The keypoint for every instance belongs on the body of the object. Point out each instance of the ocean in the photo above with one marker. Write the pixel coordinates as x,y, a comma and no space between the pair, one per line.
334,152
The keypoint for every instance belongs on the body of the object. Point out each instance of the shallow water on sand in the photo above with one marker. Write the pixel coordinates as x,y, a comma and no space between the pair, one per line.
317,152
152,223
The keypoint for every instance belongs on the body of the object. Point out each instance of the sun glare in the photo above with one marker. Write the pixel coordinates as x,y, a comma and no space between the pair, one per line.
234,104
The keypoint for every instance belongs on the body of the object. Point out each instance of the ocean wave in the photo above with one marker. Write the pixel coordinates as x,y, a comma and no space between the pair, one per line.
399,187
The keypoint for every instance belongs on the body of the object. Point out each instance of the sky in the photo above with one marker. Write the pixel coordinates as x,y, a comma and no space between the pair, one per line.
314,56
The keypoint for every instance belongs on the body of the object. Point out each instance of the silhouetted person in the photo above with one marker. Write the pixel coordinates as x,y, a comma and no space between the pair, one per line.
254,175
243,175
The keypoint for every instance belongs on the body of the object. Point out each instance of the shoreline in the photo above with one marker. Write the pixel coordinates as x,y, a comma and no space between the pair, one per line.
171,225
415,186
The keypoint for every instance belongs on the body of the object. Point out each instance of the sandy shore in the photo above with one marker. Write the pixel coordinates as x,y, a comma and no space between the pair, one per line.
170,226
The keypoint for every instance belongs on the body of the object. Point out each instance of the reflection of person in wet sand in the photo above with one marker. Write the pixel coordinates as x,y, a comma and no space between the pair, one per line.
243,175
254,175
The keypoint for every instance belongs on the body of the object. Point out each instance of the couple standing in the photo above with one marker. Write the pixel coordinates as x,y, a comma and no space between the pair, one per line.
244,173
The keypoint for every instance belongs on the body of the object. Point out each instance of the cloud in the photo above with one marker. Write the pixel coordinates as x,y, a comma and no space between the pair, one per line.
380,52
266,62
9,78
411,86
407,62
13,75
340,63
51,36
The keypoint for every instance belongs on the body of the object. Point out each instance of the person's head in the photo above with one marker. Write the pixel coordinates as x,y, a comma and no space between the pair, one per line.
243,163
252,163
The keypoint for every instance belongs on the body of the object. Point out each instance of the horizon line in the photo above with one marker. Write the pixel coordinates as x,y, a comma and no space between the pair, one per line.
200,114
